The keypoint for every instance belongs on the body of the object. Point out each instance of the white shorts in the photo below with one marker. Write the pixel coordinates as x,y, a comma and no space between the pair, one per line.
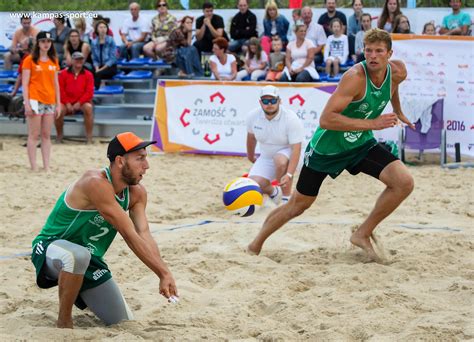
265,167
40,108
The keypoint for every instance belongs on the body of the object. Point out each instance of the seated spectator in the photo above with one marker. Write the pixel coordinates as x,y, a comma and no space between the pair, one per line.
274,24
331,13
242,28
401,25
337,48
208,27
21,35
104,58
354,24
429,29
457,23
299,58
26,52
315,33
359,39
75,44
277,61
296,15
76,84
161,26
59,33
390,10
180,51
256,62
223,65
133,32
81,26
95,21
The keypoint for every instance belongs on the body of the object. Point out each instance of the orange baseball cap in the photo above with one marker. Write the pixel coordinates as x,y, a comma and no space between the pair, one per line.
124,143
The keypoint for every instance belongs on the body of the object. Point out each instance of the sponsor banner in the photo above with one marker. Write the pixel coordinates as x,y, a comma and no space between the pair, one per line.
440,68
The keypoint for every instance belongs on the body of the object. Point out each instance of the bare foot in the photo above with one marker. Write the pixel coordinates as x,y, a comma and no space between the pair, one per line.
64,324
364,243
253,249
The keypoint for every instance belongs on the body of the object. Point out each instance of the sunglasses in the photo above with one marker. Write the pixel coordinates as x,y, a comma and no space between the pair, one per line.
162,5
272,101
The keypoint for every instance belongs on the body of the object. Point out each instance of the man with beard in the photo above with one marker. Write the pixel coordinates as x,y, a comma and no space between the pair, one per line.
331,13
69,249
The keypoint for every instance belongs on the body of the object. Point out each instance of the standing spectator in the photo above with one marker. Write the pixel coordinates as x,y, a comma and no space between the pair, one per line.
223,65
162,25
59,33
429,29
456,23
315,33
20,36
180,51
331,13
133,33
277,61
354,24
299,59
256,62
103,54
41,96
243,27
77,89
390,10
274,24
401,24
81,25
359,40
75,44
337,48
209,26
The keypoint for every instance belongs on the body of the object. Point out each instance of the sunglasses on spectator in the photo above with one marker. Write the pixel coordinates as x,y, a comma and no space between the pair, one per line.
272,101
162,5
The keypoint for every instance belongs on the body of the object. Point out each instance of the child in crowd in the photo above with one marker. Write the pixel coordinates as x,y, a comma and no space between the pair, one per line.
256,62
337,48
429,29
277,61
366,23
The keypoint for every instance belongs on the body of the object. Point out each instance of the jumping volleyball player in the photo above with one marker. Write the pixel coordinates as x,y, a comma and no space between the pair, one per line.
345,140
69,249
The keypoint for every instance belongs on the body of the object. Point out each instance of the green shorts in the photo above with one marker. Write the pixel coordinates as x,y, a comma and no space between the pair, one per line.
334,164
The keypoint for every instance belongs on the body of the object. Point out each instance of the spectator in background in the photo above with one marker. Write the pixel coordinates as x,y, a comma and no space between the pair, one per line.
429,29
26,52
133,33
337,49
457,23
59,33
95,21
256,62
296,16
223,65
390,10
242,28
277,61
208,27
162,25
41,96
103,54
77,89
315,33
354,24
331,13
75,44
401,24
366,20
20,37
180,51
299,58
81,25
274,24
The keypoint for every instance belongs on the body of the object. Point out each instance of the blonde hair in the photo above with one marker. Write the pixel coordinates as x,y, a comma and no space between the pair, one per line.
376,35
270,5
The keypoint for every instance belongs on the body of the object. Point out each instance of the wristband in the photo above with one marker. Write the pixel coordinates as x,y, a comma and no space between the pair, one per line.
289,175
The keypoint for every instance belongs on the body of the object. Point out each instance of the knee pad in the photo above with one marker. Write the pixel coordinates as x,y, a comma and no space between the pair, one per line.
72,258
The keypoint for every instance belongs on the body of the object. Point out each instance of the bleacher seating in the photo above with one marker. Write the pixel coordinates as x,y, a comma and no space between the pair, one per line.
6,88
142,63
8,75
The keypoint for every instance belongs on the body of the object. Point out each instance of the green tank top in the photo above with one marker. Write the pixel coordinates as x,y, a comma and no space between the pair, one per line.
328,142
84,227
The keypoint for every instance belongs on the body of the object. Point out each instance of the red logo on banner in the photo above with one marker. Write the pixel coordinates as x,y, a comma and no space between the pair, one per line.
219,95
211,141
181,118
297,97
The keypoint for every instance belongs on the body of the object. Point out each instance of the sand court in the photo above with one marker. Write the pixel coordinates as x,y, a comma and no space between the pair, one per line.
309,283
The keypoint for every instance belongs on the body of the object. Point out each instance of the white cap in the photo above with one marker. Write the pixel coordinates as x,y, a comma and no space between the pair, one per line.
269,91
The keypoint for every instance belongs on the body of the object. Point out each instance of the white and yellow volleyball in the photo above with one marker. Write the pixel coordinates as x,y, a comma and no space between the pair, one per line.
241,196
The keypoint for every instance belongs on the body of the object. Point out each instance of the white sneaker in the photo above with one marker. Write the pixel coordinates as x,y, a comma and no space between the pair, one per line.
285,199
277,197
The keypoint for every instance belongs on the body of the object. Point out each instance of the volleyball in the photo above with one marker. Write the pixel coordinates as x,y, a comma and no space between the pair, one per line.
241,196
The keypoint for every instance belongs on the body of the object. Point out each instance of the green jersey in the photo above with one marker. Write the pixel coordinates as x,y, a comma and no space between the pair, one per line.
333,151
86,228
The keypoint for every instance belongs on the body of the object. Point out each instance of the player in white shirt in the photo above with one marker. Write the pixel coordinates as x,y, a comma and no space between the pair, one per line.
133,32
279,133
